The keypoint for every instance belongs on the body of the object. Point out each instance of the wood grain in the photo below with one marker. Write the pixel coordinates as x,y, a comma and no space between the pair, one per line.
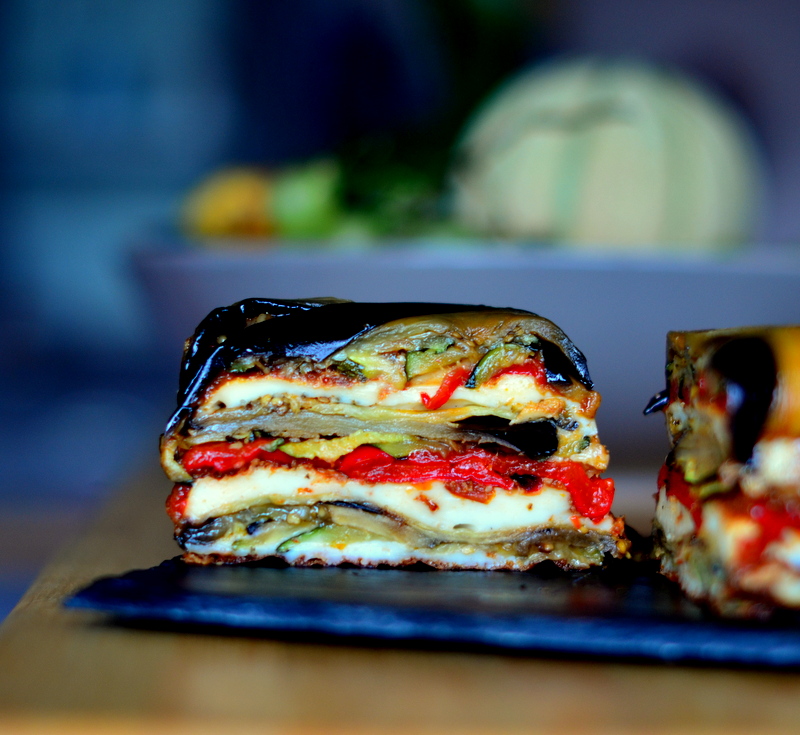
69,671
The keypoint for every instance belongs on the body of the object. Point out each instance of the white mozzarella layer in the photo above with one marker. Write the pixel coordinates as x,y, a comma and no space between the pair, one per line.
239,391
675,520
426,505
775,463
508,390
787,548
394,553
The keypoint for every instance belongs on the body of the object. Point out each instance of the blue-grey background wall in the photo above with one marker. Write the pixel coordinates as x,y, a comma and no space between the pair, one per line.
111,110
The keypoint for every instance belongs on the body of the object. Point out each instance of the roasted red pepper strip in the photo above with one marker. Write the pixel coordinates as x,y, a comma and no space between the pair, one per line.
227,456
375,465
478,466
671,478
363,459
593,496
176,502
532,367
423,465
454,379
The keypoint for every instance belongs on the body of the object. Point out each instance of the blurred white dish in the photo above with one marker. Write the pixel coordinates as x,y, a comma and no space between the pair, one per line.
617,309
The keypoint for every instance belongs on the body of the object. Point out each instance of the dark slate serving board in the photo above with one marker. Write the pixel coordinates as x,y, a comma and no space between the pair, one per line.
625,611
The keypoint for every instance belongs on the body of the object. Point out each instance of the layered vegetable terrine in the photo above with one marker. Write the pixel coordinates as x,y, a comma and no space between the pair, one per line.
326,431
727,524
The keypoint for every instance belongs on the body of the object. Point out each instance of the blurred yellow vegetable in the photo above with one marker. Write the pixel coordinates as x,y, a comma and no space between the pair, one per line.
298,201
234,202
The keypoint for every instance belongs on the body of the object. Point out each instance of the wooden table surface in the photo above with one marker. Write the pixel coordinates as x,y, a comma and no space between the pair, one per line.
67,671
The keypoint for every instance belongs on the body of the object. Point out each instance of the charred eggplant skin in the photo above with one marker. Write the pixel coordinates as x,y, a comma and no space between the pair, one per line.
749,371
749,368
229,320
657,403
535,439
318,328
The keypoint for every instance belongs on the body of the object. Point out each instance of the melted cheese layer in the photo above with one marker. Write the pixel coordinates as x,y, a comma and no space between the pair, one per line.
381,551
426,505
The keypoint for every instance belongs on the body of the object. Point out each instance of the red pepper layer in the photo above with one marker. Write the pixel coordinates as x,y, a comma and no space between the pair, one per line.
229,456
473,473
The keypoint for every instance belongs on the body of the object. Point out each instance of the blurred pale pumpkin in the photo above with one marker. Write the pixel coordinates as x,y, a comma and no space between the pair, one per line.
608,154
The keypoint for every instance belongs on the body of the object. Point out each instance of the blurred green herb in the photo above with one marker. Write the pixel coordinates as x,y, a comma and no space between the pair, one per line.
396,181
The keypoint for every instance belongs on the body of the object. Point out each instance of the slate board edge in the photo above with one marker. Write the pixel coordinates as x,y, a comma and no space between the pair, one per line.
660,640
